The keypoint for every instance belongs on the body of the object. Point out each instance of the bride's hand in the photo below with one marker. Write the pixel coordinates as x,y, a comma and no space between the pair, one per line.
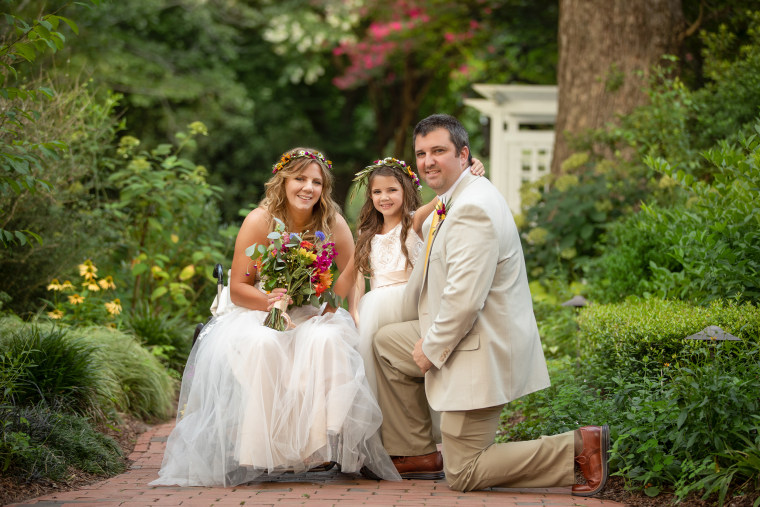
275,296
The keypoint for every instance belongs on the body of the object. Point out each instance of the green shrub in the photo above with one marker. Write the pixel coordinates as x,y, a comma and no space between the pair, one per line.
120,376
714,240
168,337
566,215
629,249
681,429
167,220
142,385
36,442
730,99
44,365
67,216
638,336
569,403
687,428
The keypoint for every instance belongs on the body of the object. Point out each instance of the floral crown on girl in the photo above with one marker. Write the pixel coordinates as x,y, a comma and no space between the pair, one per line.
363,175
289,157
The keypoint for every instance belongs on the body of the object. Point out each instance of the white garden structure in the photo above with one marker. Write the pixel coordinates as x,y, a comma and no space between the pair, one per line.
522,134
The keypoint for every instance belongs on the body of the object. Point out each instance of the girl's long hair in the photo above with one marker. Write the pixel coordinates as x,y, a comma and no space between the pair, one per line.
276,202
371,220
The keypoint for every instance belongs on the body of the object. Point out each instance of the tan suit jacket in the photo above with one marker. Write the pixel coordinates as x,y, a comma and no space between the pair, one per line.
474,305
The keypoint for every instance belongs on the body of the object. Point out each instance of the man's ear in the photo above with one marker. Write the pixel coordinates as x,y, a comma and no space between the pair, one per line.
464,156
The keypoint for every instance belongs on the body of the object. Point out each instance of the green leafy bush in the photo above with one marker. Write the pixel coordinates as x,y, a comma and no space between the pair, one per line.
166,219
44,365
21,157
684,429
703,249
629,250
67,217
565,216
640,336
91,370
687,428
36,442
728,103
569,403
168,337
140,383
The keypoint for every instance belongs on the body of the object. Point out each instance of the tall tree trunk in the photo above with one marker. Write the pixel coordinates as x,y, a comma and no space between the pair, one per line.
606,50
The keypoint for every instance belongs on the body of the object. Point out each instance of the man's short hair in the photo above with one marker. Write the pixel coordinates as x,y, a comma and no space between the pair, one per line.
457,133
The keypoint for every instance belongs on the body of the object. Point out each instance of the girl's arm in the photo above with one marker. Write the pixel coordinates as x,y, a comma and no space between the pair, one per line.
423,211
477,168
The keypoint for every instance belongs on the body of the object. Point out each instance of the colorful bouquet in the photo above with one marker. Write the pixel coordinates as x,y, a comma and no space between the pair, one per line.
300,267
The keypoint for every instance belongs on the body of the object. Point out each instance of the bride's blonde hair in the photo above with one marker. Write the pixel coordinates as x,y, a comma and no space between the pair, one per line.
292,163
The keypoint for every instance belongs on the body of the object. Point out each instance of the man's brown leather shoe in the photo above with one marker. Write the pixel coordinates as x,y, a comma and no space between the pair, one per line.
593,460
426,466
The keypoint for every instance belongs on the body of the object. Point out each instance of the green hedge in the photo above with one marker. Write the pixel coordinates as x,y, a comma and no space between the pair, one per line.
121,375
642,334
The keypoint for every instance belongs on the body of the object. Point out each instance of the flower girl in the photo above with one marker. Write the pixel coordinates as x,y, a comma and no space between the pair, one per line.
388,244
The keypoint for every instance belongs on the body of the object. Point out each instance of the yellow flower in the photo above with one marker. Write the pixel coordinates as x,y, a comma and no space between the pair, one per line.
87,270
55,314
91,286
75,299
54,285
67,285
114,307
310,256
107,283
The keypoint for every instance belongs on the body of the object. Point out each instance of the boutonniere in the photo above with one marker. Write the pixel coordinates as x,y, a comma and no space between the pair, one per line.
441,210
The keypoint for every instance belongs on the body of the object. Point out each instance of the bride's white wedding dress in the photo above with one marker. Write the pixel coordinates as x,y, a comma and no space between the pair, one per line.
257,401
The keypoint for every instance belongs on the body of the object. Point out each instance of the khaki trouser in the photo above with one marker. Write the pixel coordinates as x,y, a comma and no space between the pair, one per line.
471,459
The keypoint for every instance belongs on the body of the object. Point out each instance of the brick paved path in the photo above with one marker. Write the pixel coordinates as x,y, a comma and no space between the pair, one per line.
131,489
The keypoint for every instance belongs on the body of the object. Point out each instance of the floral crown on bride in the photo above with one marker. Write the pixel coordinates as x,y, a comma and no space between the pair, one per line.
363,176
289,157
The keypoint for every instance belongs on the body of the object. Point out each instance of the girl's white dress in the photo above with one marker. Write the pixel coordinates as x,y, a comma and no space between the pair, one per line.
382,304
257,401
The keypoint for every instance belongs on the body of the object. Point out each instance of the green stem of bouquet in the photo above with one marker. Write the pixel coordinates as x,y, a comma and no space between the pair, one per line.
275,320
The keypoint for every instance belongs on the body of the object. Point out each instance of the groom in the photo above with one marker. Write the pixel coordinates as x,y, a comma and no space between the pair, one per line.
470,342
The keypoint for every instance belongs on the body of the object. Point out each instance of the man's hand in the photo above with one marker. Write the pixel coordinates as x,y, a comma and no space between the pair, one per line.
420,358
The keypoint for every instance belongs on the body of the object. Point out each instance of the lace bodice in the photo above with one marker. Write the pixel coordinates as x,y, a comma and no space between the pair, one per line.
388,261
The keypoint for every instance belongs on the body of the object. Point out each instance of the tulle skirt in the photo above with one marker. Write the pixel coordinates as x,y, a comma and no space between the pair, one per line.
376,308
256,401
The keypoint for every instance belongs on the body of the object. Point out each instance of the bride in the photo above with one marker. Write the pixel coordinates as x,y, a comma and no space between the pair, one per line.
256,401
